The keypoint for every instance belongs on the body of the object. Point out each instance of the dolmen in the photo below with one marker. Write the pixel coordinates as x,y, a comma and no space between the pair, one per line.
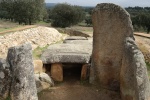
74,50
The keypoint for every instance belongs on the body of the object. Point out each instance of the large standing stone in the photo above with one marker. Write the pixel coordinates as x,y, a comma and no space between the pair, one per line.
134,78
118,63
5,78
111,25
23,85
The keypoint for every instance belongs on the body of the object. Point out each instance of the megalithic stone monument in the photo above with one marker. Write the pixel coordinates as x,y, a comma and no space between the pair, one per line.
117,62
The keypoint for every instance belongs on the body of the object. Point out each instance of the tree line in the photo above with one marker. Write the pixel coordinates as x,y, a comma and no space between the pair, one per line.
22,11
63,15
140,17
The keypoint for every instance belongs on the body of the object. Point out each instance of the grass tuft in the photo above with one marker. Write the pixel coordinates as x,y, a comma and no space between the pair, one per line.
38,51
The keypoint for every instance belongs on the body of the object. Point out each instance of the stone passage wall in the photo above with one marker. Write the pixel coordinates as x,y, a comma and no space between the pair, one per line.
115,62
17,74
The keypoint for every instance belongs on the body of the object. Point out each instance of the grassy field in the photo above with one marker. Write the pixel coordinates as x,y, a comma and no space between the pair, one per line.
8,26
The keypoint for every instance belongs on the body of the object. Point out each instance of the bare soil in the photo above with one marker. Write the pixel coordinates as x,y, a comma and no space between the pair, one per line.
143,43
74,89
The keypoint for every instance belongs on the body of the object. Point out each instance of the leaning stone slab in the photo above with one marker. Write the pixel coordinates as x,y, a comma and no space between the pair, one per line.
23,85
67,53
111,25
5,78
134,78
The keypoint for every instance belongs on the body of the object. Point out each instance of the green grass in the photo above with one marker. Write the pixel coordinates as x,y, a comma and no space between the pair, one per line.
38,51
42,23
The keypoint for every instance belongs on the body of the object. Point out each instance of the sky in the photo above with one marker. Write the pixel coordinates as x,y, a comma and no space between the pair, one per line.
123,3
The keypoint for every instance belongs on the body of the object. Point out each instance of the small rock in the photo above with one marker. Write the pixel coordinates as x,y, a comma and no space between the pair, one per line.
43,81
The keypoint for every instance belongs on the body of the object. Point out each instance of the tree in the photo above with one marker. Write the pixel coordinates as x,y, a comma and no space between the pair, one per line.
88,20
140,18
64,15
24,11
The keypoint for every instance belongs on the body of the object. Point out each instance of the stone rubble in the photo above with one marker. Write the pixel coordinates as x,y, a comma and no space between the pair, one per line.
39,36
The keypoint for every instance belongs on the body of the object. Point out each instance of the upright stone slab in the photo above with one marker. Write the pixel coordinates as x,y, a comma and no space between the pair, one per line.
111,25
38,66
118,64
23,85
5,79
84,72
57,72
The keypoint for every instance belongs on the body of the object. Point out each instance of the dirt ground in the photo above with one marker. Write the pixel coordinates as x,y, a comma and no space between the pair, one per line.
74,89
143,43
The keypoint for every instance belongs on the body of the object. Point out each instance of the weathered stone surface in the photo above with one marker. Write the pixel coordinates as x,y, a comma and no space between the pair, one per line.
111,25
67,53
38,66
134,78
5,78
57,72
43,81
118,63
23,85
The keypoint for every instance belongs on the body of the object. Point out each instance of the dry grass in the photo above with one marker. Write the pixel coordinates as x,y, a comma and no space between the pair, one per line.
7,25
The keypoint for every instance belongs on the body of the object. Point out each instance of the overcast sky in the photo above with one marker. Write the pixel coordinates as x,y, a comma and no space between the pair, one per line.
123,3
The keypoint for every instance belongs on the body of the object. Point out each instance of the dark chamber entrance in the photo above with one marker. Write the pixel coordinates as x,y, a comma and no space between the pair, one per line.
72,72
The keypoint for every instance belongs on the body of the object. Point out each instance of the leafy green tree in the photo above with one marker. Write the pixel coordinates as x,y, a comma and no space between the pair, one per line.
140,18
64,15
79,14
88,20
24,11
